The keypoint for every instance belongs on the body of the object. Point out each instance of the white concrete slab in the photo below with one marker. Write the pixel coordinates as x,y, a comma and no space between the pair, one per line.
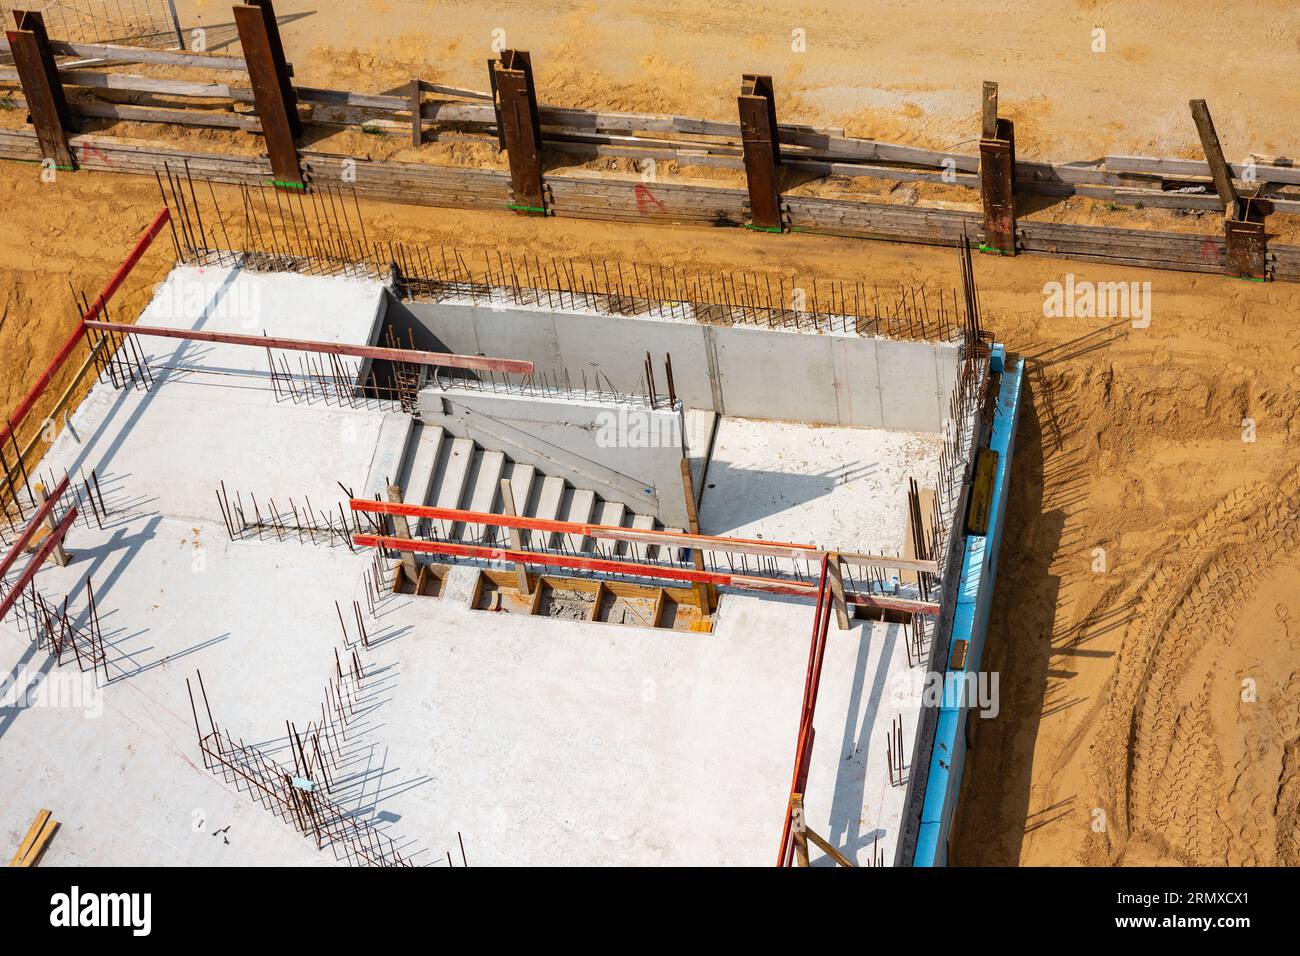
838,488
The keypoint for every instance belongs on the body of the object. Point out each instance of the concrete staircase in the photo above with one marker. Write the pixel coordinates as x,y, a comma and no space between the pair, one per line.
446,472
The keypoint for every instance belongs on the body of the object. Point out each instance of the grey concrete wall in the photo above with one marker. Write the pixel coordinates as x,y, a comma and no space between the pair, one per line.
832,379
623,453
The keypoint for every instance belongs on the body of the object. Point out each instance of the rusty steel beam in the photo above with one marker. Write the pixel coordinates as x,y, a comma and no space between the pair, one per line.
409,356
273,96
762,152
39,77
1246,242
520,129
283,68
997,177
608,566
704,542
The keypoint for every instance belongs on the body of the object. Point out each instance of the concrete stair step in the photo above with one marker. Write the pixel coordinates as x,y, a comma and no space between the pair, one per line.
549,502
643,552
610,513
394,439
422,469
456,461
485,492
521,485
581,505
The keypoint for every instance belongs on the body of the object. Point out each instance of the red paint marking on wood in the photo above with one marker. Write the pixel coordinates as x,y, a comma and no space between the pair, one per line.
409,356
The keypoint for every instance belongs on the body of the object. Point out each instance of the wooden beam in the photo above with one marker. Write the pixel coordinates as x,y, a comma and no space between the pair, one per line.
762,152
31,846
989,113
704,542
516,537
826,848
520,130
835,577
1214,156
276,105
46,104
798,830
607,566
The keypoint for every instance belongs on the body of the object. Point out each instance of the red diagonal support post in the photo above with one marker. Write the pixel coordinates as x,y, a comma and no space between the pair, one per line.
480,363
277,106
520,129
762,149
997,177
39,76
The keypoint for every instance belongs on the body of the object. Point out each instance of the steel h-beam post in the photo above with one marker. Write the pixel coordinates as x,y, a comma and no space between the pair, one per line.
269,74
39,76
519,129
997,177
762,149
1245,241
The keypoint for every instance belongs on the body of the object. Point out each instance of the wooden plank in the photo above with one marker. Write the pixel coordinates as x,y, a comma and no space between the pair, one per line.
981,495
989,112
136,54
33,832
151,114
826,848
1214,157
1186,168
41,843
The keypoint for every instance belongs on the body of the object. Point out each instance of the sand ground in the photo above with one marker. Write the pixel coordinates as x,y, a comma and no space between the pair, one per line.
1150,689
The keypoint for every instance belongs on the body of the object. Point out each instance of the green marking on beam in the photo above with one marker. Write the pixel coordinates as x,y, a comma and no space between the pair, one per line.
287,185
516,206
1250,278
750,225
984,248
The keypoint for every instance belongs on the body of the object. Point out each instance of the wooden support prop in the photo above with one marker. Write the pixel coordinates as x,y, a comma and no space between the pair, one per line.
827,848
1214,156
1245,240
60,554
706,595
997,177
520,129
516,537
417,127
799,830
402,529
39,76
762,150
409,356
277,107
835,577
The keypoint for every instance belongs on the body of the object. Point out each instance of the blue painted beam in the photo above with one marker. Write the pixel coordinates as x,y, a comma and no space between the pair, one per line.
970,624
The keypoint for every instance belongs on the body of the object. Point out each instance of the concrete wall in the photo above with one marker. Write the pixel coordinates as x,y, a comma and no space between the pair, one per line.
624,453
827,379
